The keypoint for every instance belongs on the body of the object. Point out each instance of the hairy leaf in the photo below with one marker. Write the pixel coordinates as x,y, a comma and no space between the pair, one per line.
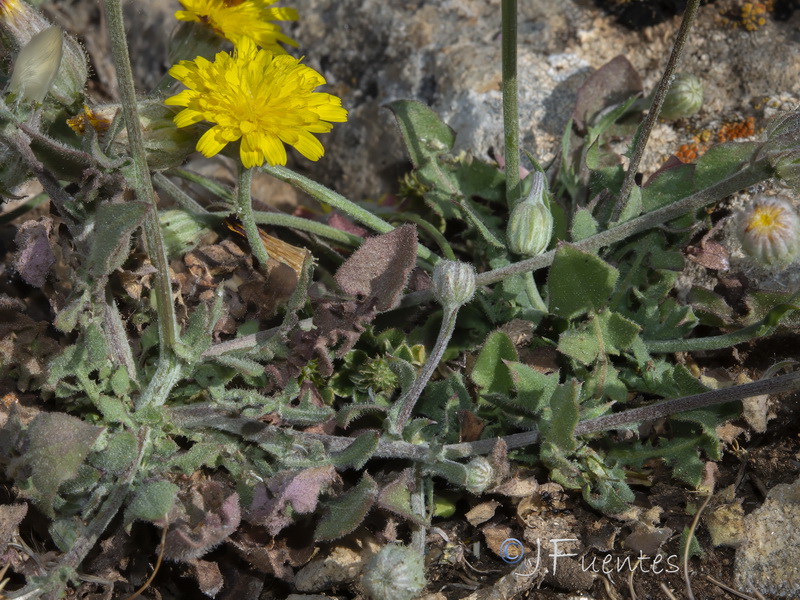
424,133
153,502
489,372
114,224
55,446
579,282
287,493
380,267
347,512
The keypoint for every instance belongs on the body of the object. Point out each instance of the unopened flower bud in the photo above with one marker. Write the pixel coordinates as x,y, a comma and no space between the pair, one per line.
395,573
37,65
479,475
769,231
684,98
530,225
20,23
453,283
181,231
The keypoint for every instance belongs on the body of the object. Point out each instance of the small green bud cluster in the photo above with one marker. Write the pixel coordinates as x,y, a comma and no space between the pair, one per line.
395,573
684,98
530,225
453,283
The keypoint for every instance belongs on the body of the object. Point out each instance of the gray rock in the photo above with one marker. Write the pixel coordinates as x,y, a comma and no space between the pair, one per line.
769,560
447,54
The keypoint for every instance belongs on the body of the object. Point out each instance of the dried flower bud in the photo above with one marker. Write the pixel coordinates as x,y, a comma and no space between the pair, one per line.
36,66
453,282
165,144
479,475
395,573
530,225
769,231
21,23
684,98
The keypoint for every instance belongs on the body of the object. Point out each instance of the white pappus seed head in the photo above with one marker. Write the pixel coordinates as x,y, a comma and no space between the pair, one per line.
769,231
396,572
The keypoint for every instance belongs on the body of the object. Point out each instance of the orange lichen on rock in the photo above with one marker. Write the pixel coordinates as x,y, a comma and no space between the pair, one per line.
732,130
736,129
688,153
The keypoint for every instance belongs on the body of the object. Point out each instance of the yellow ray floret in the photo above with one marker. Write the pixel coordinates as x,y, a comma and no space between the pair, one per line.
265,99
238,19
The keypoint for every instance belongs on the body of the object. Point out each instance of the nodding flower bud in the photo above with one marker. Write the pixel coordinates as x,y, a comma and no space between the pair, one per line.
20,23
530,225
453,283
395,573
769,231
479,475
36,66
684,97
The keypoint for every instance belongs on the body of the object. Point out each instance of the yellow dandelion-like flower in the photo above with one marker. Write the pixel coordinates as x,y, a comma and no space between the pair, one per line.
265,99
238,19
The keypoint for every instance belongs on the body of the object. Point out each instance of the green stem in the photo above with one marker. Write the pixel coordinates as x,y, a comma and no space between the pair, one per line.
244,210
328,196
752,174
93,530
510,99
168,372
322,230
655,108
206,183
142,185
533,293
716,342
756,172
431,230
659,410
185,201
409,400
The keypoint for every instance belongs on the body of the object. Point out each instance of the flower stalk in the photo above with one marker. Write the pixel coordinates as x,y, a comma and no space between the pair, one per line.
643,134
142,184
244,209
510,101
350,208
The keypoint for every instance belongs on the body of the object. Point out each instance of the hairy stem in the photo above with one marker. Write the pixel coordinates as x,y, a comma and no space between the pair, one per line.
350,208
510,106
533,293
142,185
643,134
409,400
244,209
775,385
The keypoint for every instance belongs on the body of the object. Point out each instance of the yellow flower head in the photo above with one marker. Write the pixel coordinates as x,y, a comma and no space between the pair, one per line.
238,19
265,99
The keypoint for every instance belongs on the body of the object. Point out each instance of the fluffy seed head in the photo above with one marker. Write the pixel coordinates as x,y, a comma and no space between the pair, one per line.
395,573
